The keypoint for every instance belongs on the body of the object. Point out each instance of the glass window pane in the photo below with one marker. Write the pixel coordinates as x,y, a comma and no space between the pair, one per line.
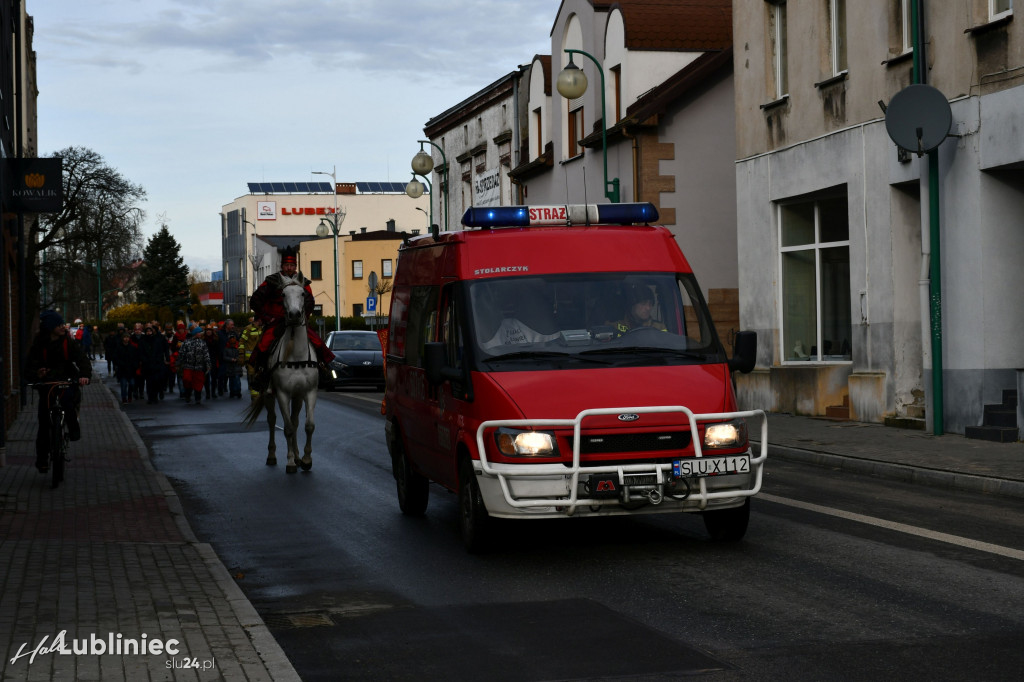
834,221
797,224
836,325
839,33
800,322
779,46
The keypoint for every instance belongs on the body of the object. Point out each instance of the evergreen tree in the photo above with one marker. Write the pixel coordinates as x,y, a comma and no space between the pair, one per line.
163,276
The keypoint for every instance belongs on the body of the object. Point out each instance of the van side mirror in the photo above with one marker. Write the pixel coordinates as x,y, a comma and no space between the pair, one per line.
435,363
744,352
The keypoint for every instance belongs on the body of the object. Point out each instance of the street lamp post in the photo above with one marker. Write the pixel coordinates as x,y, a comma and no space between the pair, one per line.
333,222
415,190
423,163
571,84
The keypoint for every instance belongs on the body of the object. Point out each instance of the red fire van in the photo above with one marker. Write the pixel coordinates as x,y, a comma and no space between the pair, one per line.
560,361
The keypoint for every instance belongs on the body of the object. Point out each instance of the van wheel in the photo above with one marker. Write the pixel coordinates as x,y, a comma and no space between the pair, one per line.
473,517
413,488
728,525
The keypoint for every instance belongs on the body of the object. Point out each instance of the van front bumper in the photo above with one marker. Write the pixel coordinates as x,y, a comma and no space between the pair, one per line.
562,489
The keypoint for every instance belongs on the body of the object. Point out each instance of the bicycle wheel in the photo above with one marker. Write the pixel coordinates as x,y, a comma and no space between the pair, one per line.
58,449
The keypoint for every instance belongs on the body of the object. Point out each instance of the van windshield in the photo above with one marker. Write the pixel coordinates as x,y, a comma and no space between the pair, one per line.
611,318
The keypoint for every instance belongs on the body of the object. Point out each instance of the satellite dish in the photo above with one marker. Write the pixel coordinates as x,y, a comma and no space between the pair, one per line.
918,118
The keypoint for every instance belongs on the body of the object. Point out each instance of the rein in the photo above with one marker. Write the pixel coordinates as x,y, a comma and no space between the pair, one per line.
295,364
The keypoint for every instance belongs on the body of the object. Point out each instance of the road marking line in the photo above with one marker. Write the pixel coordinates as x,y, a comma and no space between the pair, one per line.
900,527
375,401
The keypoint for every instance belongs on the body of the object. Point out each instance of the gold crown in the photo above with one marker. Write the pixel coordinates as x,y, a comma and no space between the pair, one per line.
35,180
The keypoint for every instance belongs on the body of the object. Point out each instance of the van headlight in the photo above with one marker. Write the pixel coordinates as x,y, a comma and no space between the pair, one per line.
726,434
514,443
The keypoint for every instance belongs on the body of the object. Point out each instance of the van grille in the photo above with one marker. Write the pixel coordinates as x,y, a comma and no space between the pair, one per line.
634,442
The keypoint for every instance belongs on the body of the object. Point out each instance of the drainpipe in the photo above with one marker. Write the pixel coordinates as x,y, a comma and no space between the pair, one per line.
636,162
930,255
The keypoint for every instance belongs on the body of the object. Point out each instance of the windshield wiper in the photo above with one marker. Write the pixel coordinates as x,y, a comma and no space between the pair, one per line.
646,350
541,354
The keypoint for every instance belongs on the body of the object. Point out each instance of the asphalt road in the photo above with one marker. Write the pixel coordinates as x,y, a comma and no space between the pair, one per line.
839,576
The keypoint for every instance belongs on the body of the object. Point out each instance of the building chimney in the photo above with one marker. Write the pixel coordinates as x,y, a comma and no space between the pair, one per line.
362,230
391,225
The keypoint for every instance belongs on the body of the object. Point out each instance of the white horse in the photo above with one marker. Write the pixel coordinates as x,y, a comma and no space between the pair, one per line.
293,381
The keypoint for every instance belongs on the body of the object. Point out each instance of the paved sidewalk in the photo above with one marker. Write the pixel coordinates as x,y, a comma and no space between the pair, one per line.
109,557
949,460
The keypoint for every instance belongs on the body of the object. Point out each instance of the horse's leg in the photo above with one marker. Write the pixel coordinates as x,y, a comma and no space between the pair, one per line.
284,402
271,408
307,460
293,444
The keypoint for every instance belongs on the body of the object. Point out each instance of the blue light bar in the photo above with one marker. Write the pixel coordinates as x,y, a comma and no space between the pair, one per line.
566,215
498,216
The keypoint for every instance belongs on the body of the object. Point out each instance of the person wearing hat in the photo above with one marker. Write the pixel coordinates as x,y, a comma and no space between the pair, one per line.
639,313
268,306
54,356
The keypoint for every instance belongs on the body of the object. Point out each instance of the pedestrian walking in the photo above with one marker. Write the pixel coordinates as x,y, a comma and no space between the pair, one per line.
246,344
232,366
155,359
213,348
194,358
110,343
127,364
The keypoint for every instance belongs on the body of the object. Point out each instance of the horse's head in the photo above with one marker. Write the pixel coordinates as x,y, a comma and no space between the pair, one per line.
293,300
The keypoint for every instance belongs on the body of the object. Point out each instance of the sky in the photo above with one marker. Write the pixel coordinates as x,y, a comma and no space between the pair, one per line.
192,99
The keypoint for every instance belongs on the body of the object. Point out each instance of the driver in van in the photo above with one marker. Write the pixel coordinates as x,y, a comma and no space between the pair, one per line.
639,311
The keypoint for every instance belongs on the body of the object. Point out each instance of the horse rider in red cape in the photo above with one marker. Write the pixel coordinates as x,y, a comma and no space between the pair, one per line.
267,304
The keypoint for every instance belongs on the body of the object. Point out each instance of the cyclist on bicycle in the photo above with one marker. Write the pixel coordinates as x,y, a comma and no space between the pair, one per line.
54,356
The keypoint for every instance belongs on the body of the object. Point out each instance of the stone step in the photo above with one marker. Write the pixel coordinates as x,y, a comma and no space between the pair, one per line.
996,434
915,411
1000,415
907,422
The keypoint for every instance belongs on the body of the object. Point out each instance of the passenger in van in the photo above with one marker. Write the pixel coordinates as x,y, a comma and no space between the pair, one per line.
522,310
639,311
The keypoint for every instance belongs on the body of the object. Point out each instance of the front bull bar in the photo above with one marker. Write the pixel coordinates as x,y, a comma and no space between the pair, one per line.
569,504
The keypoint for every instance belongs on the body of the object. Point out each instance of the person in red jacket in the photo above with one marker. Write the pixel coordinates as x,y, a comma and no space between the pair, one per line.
268,306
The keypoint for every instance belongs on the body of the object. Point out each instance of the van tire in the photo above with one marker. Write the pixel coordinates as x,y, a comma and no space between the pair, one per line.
474,521
728,525
413,488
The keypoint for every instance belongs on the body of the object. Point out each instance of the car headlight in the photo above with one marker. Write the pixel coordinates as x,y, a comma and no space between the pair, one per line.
726,435
514,443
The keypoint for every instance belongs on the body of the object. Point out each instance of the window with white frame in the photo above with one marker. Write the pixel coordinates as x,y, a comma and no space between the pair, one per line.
906,27
357,269
386,268
999,8
778,43
837,34
814,238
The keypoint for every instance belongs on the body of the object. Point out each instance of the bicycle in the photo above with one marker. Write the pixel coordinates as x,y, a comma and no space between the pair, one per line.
59,437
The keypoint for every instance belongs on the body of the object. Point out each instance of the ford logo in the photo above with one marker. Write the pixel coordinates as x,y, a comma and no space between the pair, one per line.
628,417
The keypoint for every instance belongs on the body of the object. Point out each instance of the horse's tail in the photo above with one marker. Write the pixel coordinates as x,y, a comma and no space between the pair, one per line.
255,409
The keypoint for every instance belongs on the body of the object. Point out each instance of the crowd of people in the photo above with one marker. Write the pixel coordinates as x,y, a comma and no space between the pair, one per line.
193,361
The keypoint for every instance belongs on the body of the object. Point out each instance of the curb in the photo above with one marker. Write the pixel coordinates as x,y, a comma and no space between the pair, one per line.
269,651
936,478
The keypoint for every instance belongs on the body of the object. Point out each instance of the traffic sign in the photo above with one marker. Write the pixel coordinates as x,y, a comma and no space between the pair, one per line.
371,304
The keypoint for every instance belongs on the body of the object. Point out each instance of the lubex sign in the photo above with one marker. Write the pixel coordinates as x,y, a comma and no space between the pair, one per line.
34,185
